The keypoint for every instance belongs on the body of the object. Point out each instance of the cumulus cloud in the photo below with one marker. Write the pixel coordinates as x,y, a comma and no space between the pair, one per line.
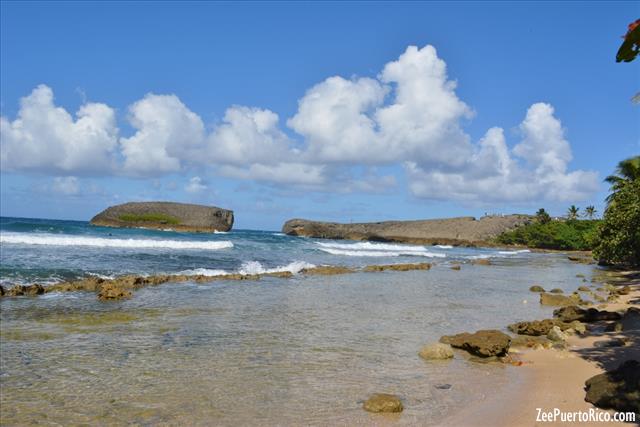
46,138
195,185
342,133
168,133
67,185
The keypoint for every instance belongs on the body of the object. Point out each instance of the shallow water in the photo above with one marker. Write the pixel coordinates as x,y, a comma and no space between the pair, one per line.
305,350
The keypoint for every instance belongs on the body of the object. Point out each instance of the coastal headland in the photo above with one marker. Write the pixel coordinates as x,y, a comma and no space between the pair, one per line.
461,231
166,215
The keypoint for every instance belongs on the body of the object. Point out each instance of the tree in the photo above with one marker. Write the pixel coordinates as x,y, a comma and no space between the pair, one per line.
572,213
631,45
542,216
590,212
627,171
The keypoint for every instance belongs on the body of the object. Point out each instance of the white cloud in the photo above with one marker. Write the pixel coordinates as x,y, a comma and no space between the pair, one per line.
347,130
45,138
195,185
67,185
168,133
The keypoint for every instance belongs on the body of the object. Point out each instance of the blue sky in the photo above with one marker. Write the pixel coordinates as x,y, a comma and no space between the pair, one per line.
335,111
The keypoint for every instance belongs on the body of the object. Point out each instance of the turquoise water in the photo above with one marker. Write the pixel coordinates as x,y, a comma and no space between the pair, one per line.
304,350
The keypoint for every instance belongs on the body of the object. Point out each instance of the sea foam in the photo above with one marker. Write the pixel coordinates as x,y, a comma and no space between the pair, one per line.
251,267
62,240
369,249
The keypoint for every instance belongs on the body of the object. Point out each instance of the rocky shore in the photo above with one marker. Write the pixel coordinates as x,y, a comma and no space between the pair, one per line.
166,215
451,231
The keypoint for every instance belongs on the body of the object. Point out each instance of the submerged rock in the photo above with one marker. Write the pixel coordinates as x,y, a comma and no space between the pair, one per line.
556,291
584,289
398,267
484,343
382,402
481,261
556,299
455,267
327,270
618,389
112,292
536,288
436,351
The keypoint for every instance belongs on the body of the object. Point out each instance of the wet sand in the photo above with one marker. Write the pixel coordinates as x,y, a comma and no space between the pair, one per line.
556,378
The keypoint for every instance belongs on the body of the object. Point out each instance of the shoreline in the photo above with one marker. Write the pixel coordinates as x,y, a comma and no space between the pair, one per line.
555,378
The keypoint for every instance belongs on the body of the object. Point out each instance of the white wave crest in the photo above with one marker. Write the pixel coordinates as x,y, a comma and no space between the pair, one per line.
250,267
444,246
382,253
521,251
58,240
203,272
369,249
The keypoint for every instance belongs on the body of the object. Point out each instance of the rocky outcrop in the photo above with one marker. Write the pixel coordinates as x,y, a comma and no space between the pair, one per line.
485,343
618,389
166,215
536,288
452,231
436,351
557,299
382,402
398,267
573,312
538,327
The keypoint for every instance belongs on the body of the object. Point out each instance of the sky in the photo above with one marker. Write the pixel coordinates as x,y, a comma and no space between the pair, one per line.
331,111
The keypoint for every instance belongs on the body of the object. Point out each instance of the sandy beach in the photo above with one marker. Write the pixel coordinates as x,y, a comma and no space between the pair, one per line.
555,379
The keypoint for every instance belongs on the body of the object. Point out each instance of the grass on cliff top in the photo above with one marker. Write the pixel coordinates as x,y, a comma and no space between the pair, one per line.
577,235
149,217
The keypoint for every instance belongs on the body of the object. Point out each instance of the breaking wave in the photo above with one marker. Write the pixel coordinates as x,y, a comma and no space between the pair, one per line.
369,249
251,267
58,240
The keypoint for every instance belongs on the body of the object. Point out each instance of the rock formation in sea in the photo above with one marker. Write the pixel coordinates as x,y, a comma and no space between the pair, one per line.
166,215
453,231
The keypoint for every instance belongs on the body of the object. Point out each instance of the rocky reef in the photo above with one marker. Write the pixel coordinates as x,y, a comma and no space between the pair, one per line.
166,215
450,231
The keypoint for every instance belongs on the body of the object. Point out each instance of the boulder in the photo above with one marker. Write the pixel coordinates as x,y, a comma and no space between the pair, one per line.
573,312
1,291
481,261
556,334
382,402
556,291
556,299
631,319
456,267
536,288
25,290
484,343
530,341
584,289
618,389
436,351
163,215
537,327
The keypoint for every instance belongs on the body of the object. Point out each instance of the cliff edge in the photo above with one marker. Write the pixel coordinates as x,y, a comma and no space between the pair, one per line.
449,231
166,215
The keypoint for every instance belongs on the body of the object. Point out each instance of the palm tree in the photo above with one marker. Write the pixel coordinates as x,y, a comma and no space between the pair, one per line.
590,212
628,170
542,216
572,213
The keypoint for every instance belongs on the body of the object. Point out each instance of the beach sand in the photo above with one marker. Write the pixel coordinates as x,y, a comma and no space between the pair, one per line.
555,378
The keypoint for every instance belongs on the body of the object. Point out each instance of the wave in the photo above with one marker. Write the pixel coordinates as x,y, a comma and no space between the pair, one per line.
382,253
520,251
62,240
251,267
444,246
369,249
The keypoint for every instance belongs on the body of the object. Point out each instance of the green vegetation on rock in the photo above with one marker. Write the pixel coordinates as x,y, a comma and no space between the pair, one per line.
149,217
553,234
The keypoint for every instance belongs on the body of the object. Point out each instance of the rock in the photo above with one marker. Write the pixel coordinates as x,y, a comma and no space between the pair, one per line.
556,334
382,402
530,341
535,327
163,215
327,270
618,389
484,343
112,292
443,386
581,259
631,319
455,267
580,276
623,290
584,289
436,351
556,299
556,291
25,290
1,291
481,261
571,313
615,342
579,327
450,231
398,267
614,327
536,288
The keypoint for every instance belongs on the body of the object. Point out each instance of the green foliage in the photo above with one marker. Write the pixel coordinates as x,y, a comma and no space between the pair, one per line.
565,235
542,216
631,45
590,212
618,239
149,217
572,212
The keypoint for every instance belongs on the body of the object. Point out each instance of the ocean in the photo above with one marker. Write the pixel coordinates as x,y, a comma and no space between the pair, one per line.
275,351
